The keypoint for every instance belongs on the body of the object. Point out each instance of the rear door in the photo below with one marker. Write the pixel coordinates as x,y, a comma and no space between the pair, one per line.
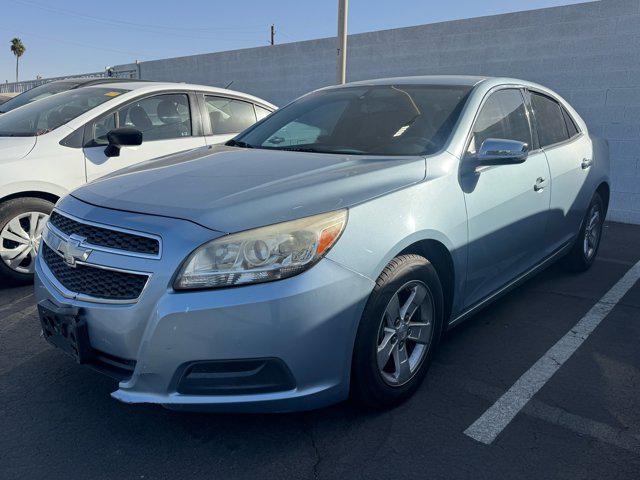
225,117
166,121
568,152
507,205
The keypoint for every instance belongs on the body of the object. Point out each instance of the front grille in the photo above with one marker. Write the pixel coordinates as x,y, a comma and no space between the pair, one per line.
104,237
94,282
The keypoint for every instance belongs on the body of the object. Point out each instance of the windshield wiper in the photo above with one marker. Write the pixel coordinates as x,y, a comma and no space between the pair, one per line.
298,149
343,151
238,143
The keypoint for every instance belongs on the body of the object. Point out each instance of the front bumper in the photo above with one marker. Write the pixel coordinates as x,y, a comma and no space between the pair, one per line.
307,322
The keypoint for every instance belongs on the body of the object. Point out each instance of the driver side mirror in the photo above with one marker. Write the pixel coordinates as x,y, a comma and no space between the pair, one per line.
122,137
496,151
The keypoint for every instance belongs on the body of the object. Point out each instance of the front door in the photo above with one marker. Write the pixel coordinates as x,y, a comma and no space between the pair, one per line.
165,121
507,206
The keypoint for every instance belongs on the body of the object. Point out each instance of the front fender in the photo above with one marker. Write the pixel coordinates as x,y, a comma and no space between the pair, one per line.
380,229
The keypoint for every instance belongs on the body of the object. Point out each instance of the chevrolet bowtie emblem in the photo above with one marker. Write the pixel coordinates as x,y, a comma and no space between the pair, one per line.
72,251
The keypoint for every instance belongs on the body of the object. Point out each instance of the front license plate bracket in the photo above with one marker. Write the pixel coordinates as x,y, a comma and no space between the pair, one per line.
65,328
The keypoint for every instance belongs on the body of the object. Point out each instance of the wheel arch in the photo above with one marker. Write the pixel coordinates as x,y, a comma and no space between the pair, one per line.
604,190
51,197
442,260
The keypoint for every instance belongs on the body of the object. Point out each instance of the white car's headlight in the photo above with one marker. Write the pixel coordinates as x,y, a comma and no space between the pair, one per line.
262,254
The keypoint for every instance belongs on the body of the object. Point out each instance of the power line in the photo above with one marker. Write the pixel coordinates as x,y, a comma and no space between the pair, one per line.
114,21
237,33
85,45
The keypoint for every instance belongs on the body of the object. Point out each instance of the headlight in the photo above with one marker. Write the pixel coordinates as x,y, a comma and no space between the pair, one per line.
262,254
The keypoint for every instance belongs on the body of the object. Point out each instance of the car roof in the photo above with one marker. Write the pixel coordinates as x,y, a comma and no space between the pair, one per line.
86,81
151,86
467,80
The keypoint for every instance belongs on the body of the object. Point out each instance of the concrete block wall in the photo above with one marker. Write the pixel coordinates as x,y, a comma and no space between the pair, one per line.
588,52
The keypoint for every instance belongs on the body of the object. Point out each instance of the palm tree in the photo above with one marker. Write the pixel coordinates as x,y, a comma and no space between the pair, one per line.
18,49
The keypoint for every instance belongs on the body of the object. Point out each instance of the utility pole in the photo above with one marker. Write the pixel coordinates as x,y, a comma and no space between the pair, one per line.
273,34
342,40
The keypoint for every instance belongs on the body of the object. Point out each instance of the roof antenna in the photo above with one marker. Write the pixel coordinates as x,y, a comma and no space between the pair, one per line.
229,84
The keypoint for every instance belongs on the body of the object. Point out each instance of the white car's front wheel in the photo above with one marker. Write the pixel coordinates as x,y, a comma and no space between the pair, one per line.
22,221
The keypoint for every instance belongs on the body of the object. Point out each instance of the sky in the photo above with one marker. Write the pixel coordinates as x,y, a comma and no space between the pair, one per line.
66,37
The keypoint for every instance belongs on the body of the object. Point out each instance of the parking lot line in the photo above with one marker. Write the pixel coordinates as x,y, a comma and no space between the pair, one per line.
10,320
10,305
625,438
486,428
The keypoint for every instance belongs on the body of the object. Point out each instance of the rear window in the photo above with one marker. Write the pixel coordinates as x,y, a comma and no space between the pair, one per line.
550,121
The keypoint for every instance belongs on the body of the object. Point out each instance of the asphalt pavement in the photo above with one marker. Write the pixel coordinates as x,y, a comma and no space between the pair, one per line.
58,420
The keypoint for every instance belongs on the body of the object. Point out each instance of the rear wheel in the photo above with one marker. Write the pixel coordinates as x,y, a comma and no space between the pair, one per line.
22,221
398,333
584,251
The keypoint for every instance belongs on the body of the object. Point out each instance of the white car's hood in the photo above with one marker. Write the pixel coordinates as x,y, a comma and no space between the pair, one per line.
14,148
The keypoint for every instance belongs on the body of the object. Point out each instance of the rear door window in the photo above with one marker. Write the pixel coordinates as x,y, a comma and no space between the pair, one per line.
261,112
228,115
550,121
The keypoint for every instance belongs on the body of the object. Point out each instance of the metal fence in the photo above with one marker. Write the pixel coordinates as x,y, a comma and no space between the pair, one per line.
19,87
116,72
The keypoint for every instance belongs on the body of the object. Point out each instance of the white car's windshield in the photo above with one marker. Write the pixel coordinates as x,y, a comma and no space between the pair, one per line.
49,113
363,120
36,93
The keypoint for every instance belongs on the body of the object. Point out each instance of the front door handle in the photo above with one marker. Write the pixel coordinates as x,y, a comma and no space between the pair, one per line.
541,182
586,163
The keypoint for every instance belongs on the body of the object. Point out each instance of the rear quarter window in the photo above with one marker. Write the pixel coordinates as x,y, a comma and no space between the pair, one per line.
572,129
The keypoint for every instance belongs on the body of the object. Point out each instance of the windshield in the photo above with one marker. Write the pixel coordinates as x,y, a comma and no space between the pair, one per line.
36,93
363,120
49,113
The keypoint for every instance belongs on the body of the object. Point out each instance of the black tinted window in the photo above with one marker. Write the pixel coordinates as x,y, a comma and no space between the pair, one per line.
503,116
549,119
364,120
572,129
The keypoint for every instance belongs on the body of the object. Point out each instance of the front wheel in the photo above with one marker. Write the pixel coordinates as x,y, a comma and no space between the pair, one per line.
21,223
584,251
398,333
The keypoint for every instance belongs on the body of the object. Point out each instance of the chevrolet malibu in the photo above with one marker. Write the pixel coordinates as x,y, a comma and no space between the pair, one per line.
321,253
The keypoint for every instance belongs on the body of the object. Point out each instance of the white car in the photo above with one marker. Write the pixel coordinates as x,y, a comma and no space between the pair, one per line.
54,145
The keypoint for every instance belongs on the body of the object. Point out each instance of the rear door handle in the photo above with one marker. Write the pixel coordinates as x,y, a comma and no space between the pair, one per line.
586,163
541,182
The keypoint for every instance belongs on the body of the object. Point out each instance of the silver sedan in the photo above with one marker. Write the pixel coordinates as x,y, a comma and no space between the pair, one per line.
322,252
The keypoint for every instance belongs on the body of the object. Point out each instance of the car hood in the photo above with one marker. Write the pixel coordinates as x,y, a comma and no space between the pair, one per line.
232,189
13,148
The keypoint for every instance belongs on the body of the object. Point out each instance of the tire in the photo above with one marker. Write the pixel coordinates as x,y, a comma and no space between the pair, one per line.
376,386
585,249
22,211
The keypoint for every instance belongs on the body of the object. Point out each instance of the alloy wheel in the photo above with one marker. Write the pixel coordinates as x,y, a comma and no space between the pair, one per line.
592,232
20,240
405,333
